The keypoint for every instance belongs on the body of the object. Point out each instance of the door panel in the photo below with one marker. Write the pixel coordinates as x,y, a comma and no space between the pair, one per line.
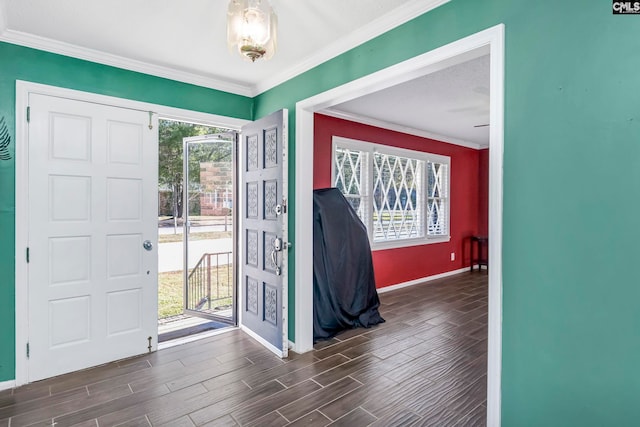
92,204
264,232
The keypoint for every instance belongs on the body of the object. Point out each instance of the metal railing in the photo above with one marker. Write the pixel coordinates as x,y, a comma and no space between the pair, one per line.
210,284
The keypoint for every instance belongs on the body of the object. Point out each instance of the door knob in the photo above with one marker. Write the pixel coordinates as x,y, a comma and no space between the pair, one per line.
147,245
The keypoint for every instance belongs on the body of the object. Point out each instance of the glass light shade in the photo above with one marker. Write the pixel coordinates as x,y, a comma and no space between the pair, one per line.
251,28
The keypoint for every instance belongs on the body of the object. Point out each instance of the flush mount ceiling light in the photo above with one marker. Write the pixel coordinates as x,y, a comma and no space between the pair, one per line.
251,28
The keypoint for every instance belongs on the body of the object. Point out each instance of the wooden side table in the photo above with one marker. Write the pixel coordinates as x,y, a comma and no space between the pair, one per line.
481,254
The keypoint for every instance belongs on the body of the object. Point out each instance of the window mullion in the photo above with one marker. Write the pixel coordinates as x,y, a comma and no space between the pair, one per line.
423,198
370,185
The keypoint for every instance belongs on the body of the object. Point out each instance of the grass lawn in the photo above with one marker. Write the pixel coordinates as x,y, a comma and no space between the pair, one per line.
171,290
170,293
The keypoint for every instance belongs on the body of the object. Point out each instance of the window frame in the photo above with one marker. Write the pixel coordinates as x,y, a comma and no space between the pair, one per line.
369,149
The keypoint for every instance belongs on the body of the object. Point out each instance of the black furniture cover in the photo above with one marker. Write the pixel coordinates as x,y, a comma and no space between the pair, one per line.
344,289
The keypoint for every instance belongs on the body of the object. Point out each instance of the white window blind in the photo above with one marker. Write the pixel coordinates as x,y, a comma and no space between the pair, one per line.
397,210
437,199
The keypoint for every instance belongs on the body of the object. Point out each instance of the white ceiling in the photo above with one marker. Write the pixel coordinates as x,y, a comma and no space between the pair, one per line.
185,41
450,104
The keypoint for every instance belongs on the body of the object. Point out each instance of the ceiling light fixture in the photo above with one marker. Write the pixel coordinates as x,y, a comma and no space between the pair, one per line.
251,28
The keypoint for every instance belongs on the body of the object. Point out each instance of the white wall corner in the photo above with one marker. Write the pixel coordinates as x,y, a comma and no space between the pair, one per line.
3,16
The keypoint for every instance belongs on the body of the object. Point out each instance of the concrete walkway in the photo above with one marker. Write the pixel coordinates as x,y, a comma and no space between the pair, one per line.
170,255
199,229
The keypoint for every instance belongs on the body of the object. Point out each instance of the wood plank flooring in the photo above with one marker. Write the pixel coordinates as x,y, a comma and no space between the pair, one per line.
426,366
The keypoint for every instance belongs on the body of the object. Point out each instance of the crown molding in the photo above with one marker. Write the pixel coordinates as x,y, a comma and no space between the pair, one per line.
331,112
373,29
368,32
67,49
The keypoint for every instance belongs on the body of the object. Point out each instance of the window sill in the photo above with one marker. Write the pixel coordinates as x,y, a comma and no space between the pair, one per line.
395,244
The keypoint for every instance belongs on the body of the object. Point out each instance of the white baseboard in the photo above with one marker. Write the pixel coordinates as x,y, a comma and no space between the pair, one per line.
6,385
421,280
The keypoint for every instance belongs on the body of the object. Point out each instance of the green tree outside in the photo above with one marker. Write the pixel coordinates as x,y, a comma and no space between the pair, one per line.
171,160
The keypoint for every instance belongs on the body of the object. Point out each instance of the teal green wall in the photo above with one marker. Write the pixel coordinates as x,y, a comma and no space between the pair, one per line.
571,310
571,295
19,63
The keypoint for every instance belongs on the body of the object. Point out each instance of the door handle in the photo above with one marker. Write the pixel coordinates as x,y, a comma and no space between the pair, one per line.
274,261
277,247
147,245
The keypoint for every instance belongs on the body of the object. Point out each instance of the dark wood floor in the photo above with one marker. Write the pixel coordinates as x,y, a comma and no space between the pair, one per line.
426,366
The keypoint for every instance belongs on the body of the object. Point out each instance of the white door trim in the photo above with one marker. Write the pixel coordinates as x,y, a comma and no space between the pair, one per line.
490,41
23,89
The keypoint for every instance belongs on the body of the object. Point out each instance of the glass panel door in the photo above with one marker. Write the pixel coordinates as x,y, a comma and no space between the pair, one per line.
209,224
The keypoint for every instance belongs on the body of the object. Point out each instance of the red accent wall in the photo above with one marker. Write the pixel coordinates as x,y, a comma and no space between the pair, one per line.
393,266
483,193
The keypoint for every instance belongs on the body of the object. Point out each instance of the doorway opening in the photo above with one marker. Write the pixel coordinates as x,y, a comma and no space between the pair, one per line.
196,238
431,61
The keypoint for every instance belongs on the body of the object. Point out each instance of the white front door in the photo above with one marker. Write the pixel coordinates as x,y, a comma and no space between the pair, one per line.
92,258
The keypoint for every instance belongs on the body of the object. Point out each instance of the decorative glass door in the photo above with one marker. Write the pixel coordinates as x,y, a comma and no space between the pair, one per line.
264,231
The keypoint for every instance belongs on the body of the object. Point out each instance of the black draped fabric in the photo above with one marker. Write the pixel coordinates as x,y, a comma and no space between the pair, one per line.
344,289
